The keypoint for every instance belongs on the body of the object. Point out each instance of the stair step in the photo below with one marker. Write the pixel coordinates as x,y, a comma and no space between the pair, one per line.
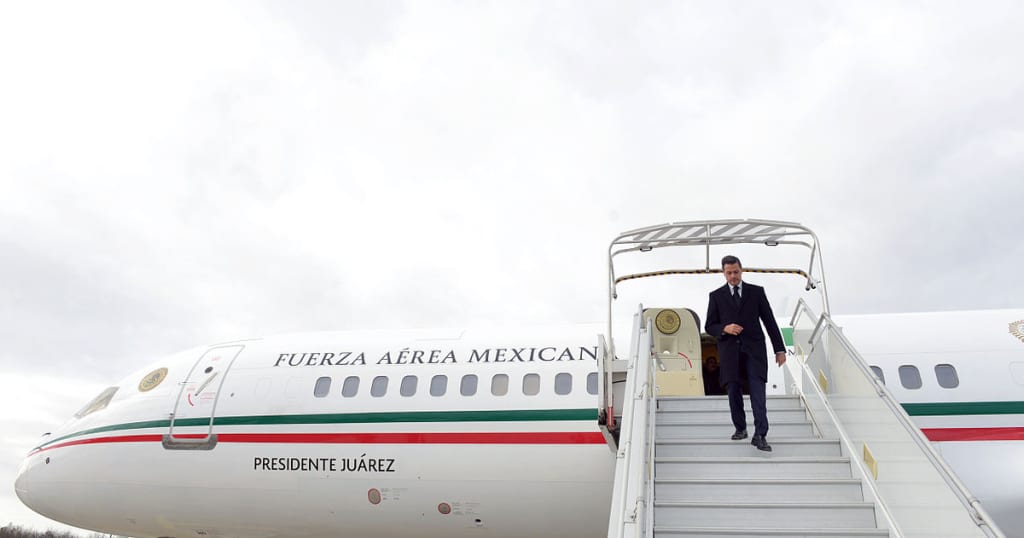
834,515
688,447
760,465
724,430
709,485
695,403
715,532
720,416
745,490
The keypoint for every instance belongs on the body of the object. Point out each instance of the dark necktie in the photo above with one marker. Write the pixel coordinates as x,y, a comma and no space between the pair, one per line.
736,295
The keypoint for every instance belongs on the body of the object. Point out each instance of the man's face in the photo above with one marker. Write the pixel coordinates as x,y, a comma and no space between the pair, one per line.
733,273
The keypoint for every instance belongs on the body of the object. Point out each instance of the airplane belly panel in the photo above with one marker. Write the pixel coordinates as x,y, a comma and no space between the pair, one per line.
242,489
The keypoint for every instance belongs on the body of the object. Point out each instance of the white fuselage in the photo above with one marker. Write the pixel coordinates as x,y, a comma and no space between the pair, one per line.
475,433
468,451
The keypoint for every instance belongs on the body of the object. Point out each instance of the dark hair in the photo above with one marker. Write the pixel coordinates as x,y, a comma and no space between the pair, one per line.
730,259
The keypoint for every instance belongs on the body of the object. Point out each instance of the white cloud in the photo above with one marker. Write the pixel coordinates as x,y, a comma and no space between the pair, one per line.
181,174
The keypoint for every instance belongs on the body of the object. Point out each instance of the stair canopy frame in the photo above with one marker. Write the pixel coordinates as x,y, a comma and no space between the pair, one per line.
705,233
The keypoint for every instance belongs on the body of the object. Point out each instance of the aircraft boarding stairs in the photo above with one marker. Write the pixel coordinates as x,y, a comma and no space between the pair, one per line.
847,462
708,485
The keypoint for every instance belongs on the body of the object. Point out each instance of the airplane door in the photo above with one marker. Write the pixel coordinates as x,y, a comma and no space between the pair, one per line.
192,417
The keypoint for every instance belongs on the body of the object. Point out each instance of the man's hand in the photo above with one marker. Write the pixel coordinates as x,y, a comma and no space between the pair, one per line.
732,329
780,358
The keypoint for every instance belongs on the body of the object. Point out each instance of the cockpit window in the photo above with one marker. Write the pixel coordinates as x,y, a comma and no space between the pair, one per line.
98,402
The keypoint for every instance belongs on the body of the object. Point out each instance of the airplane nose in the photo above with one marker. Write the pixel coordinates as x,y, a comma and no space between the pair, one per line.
43,485
36,489
22,483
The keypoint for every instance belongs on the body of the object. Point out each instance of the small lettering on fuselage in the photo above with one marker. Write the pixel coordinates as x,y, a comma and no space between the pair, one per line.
362,464
441,356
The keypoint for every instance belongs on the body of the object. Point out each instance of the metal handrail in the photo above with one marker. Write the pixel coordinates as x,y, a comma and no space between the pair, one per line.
606,403
640,388
650,437
981,517
801,307
972,503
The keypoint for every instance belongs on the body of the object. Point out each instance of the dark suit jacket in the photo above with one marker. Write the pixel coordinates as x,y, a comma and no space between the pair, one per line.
753,307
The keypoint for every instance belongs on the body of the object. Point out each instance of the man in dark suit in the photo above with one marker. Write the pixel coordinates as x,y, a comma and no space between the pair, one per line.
735,312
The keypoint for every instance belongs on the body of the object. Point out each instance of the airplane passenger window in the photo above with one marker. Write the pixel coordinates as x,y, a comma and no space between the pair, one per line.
946,374
408,387
468,387
592,383
878,373
351,386
379,387
563,383
438,385
499,385
910,377
322,387
531,384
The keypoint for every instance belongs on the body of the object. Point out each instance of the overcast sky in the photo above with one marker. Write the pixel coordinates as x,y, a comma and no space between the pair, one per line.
175,174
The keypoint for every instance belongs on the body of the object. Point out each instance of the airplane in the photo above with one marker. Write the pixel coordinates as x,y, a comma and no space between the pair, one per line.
388,433
463,432
455,433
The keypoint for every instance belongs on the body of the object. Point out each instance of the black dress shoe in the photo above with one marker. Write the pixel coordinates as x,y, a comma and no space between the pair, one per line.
761,443
740,434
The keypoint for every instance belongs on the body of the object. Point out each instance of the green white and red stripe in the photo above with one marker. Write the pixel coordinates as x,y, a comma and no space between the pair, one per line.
582,431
